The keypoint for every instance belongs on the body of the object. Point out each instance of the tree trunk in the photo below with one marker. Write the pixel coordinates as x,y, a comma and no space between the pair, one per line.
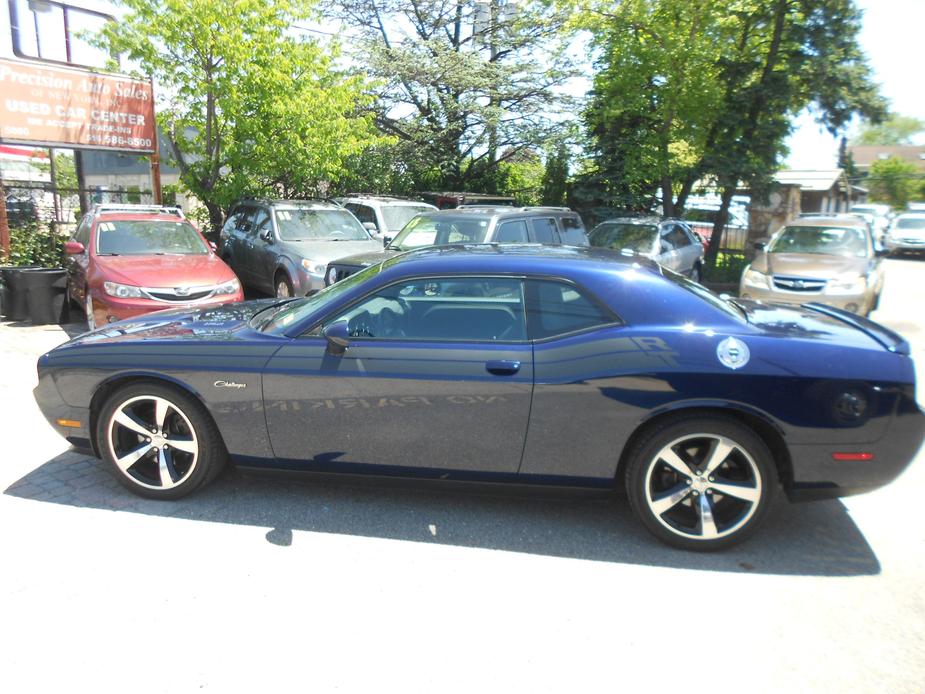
216,219
719,224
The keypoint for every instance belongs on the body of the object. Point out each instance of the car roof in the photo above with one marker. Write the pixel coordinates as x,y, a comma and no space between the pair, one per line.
914,215
386,200
635,220
309,203
138,217
478,211
827,221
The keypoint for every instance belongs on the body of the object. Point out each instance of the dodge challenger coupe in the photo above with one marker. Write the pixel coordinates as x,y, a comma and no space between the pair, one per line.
573,367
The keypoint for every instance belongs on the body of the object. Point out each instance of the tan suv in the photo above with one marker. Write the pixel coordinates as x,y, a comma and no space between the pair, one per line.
830,260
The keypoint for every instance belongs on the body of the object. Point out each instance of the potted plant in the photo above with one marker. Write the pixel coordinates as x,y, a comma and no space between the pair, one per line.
35,283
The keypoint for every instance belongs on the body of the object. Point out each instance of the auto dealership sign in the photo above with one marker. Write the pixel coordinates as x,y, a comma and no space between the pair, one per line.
69,107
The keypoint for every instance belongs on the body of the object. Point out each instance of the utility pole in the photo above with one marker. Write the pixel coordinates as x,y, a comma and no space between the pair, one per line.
4,225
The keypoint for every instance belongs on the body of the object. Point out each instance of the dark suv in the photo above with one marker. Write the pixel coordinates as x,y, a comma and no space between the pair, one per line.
545,225
282,247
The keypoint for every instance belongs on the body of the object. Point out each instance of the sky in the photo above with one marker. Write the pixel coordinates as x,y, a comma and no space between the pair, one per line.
892,35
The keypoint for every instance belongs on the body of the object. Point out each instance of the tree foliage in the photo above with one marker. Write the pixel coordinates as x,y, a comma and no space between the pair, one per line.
461,92
248,107
895,130
893,181
688,91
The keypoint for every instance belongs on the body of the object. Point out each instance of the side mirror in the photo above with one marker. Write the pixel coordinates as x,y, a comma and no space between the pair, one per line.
370,226
213,246
338,337
73,247
760,244
386,240
266,235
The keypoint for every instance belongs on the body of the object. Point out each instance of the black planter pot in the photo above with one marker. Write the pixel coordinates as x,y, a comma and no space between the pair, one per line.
13,292
46,295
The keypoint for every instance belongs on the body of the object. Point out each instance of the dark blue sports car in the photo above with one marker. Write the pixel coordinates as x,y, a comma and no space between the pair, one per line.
560,366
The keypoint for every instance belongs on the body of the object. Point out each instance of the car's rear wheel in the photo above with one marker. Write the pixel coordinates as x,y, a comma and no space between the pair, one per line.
701,483
160,442
284,288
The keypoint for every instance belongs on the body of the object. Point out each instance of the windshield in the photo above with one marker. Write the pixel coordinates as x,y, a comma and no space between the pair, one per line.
870,209
148,237
282,316
306,224
910,223
396,216
439,230
635,237
821,240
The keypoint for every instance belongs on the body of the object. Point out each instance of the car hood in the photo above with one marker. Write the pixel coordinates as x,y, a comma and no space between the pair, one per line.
367,259
223,322
326,251
164,270
814,264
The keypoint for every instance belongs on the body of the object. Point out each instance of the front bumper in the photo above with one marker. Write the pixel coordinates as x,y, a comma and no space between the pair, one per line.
861,302
904,244
109,309
73,423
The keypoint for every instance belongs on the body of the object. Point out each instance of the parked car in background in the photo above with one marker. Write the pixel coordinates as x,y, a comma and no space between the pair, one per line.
450,200
531,365
829,260
906,233
669,242
383,216
127,260
545,225
880,214
282,247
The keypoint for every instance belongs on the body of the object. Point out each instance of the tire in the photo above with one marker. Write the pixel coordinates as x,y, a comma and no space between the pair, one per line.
678,499
283,286
159,441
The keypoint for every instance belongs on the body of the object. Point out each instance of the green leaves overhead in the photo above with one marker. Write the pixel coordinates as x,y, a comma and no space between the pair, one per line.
248,105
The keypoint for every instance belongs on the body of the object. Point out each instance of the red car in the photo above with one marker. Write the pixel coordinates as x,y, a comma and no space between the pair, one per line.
126,263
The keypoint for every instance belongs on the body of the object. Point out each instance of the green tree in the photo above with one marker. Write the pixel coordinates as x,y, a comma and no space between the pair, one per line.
248,108
895,130
893,181
554,185
465,86
763,62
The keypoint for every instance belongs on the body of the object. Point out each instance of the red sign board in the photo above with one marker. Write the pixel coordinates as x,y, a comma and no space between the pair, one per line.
74,108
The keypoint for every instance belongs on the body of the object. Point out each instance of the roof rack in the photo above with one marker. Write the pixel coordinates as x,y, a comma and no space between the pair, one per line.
106,207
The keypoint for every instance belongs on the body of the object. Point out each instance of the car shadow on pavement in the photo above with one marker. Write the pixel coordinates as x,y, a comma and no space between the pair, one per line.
815,539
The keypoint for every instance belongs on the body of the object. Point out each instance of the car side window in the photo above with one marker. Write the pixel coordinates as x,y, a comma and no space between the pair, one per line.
512,232
544,230
556,308
233,220
462,309
261,222
573,231
675,237
246,220
365,214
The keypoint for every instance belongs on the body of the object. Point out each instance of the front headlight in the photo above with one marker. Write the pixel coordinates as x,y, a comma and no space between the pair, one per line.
313,267
122,291
232,287
753,278
849,283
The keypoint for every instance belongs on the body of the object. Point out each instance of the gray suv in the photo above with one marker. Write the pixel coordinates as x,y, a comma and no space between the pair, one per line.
546,225
669,242
282,247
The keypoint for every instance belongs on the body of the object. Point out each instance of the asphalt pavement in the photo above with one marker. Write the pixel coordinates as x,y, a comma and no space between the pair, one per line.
270,586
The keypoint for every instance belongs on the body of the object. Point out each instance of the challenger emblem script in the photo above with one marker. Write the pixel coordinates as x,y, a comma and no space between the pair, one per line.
229,384
732,353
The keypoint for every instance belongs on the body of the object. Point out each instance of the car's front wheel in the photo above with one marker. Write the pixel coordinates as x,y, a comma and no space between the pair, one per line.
284,288
701,482
159,441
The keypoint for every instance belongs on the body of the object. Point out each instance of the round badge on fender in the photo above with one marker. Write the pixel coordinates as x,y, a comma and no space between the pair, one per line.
732,353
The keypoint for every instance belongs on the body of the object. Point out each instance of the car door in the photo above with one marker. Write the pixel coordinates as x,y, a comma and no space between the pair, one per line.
78,265
438,375
254,248
669,255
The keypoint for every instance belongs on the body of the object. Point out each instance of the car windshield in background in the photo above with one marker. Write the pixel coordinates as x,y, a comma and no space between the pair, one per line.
148,237
303,224
396,216
821,240
910,223
432,230
634,237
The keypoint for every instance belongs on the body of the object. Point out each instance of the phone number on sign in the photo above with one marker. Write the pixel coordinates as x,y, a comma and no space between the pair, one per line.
119,141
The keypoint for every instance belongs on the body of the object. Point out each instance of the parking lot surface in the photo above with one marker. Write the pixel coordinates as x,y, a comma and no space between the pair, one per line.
266,585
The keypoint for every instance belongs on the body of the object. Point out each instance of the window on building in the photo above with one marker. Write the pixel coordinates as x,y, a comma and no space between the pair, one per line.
56,32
